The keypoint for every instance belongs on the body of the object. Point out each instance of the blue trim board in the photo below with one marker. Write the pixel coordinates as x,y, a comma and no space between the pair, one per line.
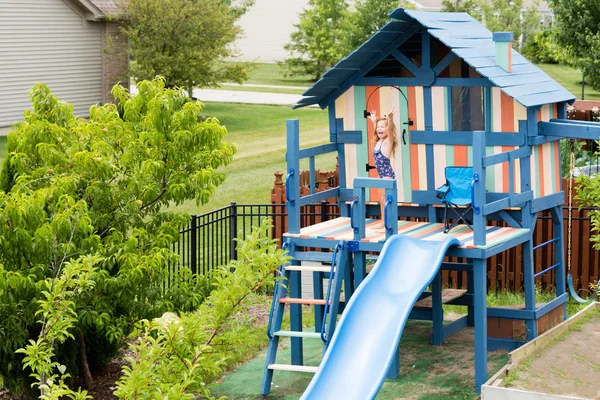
350,81
454,327
293,171
506,217
312,256
466,138
547,202
444,63
349,137
551,305
406,62
495,344
332,123
510,313
537,140
317,243
317,150
314,198
569,130
374,183
443,82
455,266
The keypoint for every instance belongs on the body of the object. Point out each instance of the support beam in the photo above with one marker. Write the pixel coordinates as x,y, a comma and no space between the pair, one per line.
479,300
568,129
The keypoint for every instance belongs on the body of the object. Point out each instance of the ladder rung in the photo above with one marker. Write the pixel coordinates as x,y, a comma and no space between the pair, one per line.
295,368
309,268
311,335
292,300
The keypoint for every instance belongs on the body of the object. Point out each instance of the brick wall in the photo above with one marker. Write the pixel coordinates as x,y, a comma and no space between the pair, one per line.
115,61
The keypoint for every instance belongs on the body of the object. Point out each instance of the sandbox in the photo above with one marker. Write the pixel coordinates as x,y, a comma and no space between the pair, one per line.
563,363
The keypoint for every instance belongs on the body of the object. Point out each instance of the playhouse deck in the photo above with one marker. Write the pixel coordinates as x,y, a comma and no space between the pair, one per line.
339,229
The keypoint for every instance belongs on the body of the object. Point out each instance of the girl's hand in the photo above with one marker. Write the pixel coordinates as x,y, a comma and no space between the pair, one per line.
373,116
391,114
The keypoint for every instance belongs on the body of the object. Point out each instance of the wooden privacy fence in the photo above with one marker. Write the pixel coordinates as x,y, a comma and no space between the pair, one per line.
505,270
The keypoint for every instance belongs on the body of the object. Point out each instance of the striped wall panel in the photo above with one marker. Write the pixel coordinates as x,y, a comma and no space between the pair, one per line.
410,163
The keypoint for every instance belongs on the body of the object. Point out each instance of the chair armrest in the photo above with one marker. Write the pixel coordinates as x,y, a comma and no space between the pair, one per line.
442,191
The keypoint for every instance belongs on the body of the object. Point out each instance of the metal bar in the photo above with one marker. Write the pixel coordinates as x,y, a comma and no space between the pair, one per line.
546,270
546,243
193,246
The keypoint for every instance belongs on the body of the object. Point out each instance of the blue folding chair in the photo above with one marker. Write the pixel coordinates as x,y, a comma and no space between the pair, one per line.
456,195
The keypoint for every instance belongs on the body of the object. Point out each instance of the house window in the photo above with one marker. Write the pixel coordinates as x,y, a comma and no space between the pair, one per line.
467,109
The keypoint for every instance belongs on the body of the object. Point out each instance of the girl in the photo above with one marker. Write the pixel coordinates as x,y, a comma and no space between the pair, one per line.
384,145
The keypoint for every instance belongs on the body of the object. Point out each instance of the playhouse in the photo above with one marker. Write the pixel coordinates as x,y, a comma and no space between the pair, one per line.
465,98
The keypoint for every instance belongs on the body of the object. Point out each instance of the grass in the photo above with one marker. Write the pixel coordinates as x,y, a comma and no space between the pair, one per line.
273,74
427,372
570,78
505,298
269,89
258,131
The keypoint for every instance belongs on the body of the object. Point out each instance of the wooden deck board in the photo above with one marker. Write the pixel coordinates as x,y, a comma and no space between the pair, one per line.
339,229
447,296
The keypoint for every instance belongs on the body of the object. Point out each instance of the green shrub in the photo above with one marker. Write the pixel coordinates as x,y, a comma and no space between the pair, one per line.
75,189
542,47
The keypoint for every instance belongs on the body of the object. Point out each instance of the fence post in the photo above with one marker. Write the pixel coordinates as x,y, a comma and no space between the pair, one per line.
193,247
232,230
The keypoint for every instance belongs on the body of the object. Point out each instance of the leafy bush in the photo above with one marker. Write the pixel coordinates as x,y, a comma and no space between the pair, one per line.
76,188
177,358
542,47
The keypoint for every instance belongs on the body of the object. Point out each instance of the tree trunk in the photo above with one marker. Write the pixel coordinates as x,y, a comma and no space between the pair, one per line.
84,368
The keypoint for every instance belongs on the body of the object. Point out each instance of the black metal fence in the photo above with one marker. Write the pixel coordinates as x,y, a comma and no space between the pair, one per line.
210,239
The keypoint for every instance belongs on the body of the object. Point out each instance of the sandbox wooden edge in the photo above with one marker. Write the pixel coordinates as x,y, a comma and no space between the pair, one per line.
493,389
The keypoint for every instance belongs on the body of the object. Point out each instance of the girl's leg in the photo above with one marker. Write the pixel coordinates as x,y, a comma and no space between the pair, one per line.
381,205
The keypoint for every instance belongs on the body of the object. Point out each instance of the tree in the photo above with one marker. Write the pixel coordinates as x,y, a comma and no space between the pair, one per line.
180,357
319,39
185,40
578,31
367,18
75,189
468,6
500,15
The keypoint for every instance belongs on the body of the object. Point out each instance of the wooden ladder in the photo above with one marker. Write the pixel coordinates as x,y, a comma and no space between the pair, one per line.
290,294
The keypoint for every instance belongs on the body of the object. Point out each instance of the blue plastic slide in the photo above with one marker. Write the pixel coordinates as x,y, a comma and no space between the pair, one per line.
367,336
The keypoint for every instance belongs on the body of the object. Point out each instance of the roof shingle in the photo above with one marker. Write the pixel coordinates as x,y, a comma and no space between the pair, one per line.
464,36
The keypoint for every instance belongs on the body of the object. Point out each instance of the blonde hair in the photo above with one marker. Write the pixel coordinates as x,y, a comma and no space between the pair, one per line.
376,138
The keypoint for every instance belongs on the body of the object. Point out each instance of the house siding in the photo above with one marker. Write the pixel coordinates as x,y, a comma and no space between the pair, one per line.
48,41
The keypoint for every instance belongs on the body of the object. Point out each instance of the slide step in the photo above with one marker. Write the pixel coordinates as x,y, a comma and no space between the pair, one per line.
295,368
447,296
312,302
308,335
309,268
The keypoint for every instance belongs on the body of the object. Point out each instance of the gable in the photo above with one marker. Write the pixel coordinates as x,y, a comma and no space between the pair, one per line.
398,44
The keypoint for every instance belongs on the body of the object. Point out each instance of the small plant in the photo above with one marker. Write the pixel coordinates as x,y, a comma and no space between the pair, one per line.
179,359
98,188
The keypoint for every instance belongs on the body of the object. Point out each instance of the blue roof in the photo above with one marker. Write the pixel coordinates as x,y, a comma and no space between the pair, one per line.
463,35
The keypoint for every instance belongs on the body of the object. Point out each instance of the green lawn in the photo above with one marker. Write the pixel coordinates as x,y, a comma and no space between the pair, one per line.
273,74
570,78
258,131
267,89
